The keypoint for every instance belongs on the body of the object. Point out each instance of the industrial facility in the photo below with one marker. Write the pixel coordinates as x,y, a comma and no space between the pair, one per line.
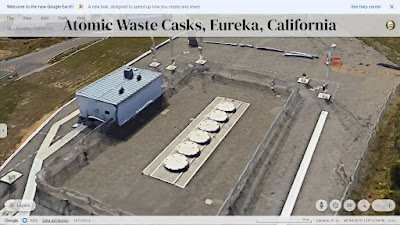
120,95
238,118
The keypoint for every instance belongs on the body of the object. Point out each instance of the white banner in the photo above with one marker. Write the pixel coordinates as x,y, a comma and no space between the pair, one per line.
210,25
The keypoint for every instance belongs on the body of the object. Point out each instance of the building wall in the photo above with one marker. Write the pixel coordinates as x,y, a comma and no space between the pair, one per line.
125,110
140,100
90,107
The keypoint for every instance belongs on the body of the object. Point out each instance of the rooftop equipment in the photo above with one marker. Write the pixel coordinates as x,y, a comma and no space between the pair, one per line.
128,73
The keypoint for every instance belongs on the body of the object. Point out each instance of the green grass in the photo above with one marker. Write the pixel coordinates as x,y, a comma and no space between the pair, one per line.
10,48
391,43
26,101
380,173
70,51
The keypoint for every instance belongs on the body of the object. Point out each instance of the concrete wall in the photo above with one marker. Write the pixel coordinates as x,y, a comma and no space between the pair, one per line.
69,202
261,78
241,194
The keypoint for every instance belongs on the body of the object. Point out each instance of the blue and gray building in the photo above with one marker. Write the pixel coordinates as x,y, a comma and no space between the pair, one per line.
120,95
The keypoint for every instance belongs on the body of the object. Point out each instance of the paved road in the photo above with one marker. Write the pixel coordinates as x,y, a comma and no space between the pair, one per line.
22,161
37,60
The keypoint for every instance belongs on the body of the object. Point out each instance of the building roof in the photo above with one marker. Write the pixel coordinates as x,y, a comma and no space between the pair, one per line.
107,89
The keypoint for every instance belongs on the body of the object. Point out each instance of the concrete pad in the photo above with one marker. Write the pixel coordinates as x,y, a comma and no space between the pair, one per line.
11,177
154,64
153,166
171,67
201,61
156,169
207,151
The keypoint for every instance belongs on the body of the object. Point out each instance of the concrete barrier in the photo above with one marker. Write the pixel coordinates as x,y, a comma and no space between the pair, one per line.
69,202
253,77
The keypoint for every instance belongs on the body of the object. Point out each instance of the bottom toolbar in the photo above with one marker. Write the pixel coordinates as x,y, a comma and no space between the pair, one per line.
298,220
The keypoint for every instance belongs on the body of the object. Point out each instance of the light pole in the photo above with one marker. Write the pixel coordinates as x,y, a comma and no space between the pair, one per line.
323,94
172,66
153,50
201,61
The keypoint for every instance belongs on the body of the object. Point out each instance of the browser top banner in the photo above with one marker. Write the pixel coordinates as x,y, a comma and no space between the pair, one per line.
207,25
199,7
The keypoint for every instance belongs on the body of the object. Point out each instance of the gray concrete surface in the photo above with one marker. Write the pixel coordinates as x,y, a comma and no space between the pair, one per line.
359,89
121,164
246,188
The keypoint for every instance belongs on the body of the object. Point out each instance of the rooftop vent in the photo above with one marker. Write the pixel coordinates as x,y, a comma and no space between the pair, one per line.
139,77
121,91
128,73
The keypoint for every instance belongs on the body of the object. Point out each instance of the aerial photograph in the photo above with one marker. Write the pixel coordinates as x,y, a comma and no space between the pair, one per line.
199,126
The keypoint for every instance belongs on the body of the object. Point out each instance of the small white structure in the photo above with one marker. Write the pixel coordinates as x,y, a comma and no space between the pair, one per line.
3,130
11,177
303,79
226,107
176,162
210,126
171,67
154,64
120,95
324,96
219,116
188,148
201,61
199,137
